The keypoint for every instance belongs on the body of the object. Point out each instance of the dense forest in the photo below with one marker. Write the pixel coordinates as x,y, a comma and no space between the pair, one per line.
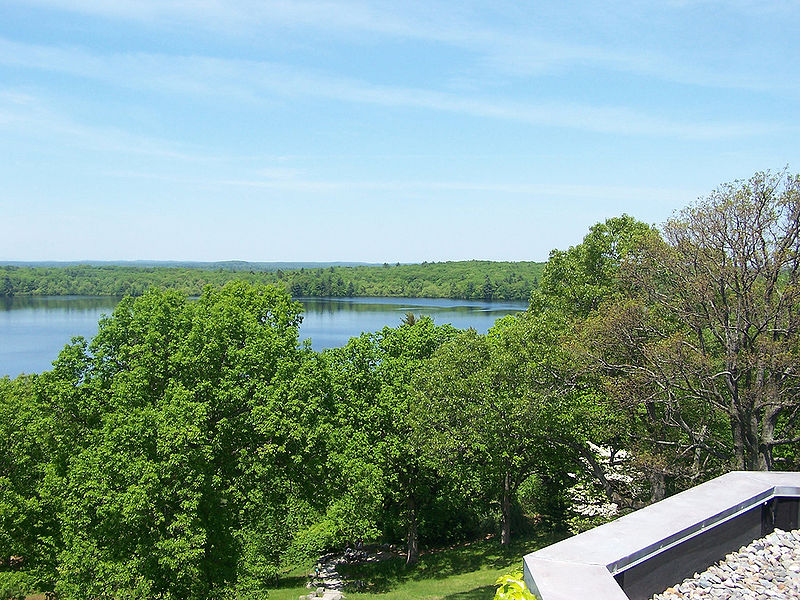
469,280
194,450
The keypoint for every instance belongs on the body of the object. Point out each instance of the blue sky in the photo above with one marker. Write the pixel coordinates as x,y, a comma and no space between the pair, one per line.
377,131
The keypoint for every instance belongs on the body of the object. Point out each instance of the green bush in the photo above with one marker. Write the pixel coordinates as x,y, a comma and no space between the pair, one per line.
312,541
546,497
15,585
512,587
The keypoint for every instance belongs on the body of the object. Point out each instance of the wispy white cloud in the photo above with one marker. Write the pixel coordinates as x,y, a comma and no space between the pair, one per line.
238,16
742,6
258,82
513,51
582,192
31,117
531,58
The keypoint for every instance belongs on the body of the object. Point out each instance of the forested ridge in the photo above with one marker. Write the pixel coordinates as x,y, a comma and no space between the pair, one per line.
469,280
195,450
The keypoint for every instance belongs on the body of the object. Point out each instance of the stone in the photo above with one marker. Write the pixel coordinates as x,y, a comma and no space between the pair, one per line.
766,569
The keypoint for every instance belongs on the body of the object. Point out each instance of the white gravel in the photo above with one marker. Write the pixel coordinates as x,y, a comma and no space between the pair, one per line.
766,569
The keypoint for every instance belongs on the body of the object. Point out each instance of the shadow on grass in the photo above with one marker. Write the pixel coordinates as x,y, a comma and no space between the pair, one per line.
485,592
289,582
385,576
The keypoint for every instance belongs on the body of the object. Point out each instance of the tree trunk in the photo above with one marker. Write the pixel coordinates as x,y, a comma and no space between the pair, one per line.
658,487
413,540
505,532
738,443
754,457
765,446
612,494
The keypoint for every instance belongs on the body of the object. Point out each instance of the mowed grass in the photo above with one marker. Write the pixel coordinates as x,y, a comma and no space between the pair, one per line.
463,572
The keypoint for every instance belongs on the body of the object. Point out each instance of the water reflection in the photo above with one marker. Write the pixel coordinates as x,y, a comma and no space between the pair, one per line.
34,329
330,322
405,305
59,303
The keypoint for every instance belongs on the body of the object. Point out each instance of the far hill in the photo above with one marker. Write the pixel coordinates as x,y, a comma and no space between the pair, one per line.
471,280
228,265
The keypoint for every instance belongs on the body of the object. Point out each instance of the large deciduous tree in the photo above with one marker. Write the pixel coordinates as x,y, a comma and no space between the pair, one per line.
28,511
493,406
583,285
194,471
578,280
381,470
711,329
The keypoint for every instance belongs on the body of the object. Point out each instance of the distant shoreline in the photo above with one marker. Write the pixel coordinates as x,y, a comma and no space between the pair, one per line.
456,280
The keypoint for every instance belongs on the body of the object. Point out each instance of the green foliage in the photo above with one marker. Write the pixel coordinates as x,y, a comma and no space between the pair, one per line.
492,408
16,585
182,445
470,280
512,587
384,479
581,285
700,351
580,279
544,496
30,451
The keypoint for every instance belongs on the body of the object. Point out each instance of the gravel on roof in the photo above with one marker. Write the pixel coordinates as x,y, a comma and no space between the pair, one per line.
766,569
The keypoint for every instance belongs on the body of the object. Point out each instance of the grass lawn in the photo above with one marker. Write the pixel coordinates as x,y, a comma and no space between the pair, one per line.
465,572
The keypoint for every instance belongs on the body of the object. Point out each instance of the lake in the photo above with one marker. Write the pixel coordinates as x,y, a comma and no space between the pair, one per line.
34,329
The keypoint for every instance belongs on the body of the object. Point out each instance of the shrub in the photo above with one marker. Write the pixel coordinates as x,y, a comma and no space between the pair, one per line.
15,585
512,587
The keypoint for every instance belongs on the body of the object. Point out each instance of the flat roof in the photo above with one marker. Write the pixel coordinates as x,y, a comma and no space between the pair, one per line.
586,563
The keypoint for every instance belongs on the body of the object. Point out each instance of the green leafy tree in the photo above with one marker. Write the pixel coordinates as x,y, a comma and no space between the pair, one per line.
44,421
378,461
463,279
583,283
580,279
28,523
184,488
711,326
489,403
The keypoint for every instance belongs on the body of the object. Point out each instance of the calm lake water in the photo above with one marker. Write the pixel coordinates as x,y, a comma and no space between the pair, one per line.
33,330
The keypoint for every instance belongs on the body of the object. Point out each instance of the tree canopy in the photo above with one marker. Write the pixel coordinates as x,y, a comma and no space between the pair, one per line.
709,329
